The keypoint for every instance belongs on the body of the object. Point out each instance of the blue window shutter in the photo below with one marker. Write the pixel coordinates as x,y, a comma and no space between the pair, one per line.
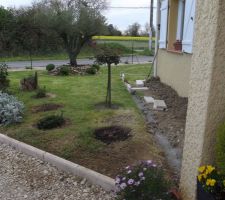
189,20
163,24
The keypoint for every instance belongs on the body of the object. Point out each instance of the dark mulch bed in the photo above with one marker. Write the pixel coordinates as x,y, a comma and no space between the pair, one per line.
46,107
112,134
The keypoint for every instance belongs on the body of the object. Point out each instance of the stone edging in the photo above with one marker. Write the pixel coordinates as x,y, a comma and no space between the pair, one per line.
93,177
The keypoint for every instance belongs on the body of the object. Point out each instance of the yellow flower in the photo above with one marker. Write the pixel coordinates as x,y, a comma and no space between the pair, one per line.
210,182
201,169
200,177
204,175
210,169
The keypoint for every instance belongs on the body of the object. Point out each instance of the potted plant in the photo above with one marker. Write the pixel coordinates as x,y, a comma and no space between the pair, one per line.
178,45
210,184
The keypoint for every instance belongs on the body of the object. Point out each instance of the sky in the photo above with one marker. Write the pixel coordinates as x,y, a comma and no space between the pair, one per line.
121,18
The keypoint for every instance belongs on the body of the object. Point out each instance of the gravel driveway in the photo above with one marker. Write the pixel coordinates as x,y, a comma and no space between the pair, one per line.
24,177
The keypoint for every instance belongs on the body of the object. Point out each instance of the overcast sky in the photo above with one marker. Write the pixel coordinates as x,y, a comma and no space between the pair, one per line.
118,17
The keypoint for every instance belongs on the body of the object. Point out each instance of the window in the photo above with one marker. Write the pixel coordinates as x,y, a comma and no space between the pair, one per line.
177,25
188,31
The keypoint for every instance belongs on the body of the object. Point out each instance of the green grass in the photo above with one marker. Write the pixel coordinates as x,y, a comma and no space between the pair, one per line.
79,94
87,52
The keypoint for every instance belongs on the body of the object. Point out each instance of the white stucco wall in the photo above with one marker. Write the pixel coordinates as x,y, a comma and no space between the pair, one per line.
206,110
174,70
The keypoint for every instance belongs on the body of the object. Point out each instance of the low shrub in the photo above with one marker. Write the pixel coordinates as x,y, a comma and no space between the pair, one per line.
41,93
4,81
97,67
142,182
91,70
64,70
50,122
220,148
11,110
50,67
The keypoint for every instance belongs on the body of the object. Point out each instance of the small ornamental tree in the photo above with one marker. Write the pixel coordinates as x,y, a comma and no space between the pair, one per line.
107,55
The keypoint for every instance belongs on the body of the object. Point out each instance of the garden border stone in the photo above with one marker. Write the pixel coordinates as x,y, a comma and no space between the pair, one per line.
93,177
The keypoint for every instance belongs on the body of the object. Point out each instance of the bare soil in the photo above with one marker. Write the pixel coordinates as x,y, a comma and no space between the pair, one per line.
172,122
167,127
112,134
46,107
113,157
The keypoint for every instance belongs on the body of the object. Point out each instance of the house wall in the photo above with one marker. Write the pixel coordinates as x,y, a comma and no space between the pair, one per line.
206,109
174,69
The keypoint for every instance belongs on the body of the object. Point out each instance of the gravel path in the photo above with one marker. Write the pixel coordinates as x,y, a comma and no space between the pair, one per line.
24,177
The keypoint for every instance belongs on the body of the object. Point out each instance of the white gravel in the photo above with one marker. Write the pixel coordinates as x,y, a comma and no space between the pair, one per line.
24,177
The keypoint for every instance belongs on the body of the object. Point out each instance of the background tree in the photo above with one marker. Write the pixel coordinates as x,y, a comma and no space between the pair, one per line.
107,55
28,31
133,29
7,21
75,21
113,31
146,30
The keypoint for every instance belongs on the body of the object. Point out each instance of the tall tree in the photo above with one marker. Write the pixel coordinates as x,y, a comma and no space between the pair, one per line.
7,22
75,21
133,29
28,31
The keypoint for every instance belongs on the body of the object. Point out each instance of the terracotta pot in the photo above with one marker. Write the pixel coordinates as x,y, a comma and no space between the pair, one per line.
175,194
178,45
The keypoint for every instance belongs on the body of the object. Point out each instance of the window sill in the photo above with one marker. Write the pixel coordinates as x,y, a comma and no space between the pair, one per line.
174,51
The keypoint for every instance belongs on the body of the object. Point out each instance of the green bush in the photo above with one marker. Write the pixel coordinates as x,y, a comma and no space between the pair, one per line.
142,182
64,70
41,93
220,148
50,122
50,67
97,67
4,81
121,49
11,110
91,70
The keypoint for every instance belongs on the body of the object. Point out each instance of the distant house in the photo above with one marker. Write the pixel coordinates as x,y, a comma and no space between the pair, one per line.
176,18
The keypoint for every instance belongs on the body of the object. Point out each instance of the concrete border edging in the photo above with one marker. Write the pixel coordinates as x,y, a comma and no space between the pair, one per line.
93,177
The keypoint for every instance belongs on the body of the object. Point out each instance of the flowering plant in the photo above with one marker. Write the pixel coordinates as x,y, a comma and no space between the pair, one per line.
142,182
212,181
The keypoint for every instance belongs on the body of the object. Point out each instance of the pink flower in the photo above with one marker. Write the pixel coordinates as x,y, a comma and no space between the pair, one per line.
123,186
117,180
130,181
141,174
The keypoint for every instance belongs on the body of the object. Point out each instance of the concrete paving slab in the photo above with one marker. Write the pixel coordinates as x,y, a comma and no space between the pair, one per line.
140,83
159,105
149,100
139,88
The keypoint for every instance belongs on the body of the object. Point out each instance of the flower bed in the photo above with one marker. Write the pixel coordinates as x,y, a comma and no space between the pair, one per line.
145,181
211,184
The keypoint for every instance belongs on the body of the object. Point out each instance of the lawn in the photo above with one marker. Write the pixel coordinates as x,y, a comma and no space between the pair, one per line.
140,48
76,141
